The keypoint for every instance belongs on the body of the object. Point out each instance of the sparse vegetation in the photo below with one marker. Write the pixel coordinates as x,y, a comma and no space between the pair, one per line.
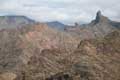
38,52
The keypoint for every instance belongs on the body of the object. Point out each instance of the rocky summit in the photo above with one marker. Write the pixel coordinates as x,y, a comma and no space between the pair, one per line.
99,27
37,51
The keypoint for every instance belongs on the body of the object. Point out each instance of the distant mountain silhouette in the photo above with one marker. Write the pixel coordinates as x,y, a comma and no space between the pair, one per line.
14,21
56,24
10,21
115,24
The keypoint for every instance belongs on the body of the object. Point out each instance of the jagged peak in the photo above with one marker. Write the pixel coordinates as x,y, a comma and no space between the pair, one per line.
100,18
99,13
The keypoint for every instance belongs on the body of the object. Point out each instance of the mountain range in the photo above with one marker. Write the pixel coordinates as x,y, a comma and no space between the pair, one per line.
10,21
96,28
31,50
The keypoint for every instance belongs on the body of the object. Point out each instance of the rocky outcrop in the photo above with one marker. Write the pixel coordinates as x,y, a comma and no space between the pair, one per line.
99,27
100,19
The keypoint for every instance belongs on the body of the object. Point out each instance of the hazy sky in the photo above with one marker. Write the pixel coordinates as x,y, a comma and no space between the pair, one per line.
67,11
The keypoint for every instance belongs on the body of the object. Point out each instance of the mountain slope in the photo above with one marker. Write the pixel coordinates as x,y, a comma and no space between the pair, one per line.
57,25
19,47
94,59
39,52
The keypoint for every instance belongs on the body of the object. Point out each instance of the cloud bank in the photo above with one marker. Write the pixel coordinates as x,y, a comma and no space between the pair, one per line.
67,11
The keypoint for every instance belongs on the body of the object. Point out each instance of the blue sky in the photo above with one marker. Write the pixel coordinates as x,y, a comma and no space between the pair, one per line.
66,11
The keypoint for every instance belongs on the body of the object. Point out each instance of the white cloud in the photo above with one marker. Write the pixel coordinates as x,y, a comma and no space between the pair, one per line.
68,11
